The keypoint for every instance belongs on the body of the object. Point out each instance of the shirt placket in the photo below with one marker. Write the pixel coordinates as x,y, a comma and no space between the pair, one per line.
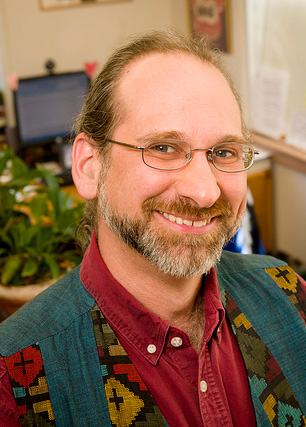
212,407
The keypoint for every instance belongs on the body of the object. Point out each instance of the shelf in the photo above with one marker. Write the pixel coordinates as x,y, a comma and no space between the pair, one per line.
282,152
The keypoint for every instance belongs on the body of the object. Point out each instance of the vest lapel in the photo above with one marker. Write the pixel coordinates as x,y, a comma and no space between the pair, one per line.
268,382
128,399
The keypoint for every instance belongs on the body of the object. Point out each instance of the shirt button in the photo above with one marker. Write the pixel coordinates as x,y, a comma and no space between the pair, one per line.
176,342
203,386
151,348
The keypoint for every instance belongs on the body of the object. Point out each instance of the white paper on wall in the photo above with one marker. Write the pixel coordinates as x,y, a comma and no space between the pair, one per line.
270,101
297,129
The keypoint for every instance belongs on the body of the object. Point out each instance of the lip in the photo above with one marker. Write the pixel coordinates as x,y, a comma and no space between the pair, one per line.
187,225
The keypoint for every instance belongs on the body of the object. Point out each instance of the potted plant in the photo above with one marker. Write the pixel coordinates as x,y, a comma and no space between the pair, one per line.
37,227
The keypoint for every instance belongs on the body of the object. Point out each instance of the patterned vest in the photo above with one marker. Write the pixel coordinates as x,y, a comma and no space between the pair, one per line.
77,373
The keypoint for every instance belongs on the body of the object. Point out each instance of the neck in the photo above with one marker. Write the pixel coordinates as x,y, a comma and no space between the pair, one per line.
194,323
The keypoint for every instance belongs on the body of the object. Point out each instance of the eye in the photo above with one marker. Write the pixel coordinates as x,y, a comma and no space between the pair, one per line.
162,148
225,153
167,148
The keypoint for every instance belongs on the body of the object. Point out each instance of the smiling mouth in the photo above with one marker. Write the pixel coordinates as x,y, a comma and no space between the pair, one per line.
179,220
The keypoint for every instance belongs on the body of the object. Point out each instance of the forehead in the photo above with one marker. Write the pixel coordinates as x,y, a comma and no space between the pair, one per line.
160,87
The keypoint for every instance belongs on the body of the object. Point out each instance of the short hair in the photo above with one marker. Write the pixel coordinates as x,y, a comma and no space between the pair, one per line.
100,113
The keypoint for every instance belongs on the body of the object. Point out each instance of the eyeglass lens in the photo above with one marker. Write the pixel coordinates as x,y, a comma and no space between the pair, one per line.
171,155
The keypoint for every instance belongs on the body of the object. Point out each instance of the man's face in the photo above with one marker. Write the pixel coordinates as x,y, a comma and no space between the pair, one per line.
178,220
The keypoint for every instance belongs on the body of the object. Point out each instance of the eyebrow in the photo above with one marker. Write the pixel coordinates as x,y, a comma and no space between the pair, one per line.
162,135
182,137
234,138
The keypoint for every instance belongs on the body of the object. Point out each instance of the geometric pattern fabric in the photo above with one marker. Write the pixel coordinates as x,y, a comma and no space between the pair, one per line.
265,375
30,388
129,401
290,283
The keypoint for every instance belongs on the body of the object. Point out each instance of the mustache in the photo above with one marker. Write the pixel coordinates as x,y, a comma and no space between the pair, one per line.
185,207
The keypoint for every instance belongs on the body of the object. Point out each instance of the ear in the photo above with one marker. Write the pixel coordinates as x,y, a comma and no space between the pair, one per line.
86,167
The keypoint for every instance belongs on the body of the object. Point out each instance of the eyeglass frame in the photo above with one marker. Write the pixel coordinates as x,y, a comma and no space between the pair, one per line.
209,153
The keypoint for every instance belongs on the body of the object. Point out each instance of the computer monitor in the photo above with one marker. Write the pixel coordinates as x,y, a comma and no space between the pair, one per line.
46,106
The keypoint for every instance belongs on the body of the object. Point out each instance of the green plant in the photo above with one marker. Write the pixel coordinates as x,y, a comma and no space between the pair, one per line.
37,224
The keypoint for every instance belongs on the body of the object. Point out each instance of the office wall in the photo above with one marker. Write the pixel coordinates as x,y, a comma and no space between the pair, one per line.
70,36
284,48
276,34
73,35
290,208
29,36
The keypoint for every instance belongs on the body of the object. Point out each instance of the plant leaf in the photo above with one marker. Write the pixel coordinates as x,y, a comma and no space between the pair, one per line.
52,264
18,167
5,155
7,199
3,251
5,238
66,220
21,181
53,188
10,268
38,205
34,253
72,256
30,268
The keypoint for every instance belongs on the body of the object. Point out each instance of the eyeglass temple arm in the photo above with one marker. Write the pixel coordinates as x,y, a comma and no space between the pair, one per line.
124,144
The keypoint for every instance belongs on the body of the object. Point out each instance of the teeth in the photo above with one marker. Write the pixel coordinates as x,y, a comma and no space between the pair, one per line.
180,220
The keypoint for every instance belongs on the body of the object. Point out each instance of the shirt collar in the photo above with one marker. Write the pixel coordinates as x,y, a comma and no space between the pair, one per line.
121,309
214,310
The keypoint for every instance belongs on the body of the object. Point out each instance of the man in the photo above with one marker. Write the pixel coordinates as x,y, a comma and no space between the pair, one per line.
153,329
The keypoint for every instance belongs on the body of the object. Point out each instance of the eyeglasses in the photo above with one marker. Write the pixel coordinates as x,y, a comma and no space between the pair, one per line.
170,154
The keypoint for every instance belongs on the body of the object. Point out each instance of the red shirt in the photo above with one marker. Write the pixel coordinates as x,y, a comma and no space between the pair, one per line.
190,390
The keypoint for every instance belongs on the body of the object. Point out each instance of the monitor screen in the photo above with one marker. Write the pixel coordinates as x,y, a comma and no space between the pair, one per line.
46,106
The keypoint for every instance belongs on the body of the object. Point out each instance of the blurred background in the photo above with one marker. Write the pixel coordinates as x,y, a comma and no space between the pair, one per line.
50,49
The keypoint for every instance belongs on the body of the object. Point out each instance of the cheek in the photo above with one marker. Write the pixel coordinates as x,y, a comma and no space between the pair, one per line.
234,190
127,186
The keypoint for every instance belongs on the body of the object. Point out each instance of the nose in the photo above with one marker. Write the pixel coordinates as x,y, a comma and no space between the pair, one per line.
197,181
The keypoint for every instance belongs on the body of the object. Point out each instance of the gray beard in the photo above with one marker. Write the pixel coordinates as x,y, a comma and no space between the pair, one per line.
180,255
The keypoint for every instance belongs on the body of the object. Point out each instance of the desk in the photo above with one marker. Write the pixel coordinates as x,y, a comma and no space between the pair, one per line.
282,153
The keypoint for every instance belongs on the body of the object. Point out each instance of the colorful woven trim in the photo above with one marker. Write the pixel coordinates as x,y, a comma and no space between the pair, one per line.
290,283
128,399
265,375
29,384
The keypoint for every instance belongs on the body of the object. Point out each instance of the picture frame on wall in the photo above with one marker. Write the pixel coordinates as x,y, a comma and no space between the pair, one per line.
211,18
55,4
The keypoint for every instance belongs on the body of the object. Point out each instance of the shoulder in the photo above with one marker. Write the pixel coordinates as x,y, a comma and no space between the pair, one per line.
50,312
231,263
